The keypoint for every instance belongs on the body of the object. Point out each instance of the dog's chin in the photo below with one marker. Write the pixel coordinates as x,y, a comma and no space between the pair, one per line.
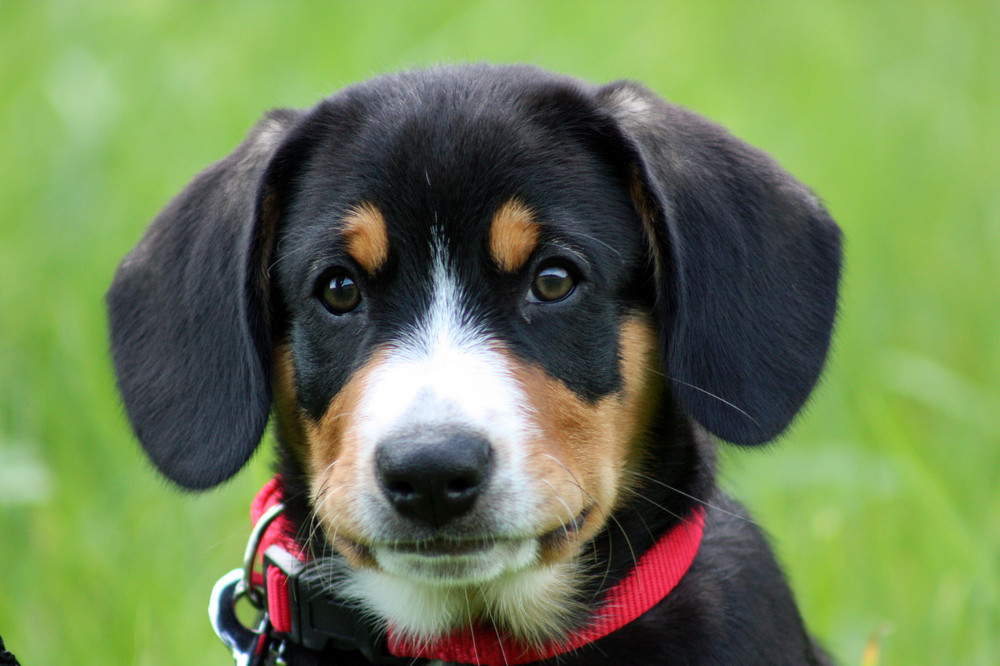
426,595
456,563
426,589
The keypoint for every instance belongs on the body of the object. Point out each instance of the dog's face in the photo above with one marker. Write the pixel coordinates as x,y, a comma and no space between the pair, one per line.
469,342
470,352
477,298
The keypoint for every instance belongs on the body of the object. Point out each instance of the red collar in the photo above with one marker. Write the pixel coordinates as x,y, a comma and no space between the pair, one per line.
654,577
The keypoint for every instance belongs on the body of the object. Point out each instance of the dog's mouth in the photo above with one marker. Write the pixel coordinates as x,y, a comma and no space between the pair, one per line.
460,559
443,547
447,546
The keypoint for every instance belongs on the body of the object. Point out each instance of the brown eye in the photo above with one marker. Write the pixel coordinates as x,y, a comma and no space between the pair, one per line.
340,294
552,283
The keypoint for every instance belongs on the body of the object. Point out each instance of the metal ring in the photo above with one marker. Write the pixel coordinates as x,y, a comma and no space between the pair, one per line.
253,594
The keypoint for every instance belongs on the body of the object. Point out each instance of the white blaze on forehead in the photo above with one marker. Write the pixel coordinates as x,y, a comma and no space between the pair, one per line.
445,369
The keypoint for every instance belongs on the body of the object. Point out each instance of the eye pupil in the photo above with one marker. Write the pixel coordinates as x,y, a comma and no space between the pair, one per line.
341,294
552,283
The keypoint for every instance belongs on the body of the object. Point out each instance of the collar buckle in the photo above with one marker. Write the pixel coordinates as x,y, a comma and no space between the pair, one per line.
317,620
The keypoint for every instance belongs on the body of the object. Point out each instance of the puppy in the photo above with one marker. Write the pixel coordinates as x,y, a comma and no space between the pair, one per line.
496,316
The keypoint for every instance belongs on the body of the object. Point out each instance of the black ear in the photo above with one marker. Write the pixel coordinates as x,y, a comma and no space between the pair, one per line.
188,310
747,267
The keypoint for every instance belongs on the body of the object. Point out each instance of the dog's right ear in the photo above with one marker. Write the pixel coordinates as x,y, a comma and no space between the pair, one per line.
746,264
188,313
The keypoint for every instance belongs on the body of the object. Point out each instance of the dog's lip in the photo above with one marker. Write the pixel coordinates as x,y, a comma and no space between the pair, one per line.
447,546
444,547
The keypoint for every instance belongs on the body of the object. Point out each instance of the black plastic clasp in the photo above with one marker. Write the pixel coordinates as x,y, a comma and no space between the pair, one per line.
319,620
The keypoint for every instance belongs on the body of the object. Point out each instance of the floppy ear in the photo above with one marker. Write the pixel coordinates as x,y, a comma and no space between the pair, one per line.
747,267
188,313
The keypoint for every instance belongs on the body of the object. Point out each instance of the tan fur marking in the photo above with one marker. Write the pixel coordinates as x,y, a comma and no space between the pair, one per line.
268,225
336,475
640,199
513,235
584,450
366,236
288,416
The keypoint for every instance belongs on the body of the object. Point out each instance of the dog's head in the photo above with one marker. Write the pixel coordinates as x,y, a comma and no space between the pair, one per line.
472,295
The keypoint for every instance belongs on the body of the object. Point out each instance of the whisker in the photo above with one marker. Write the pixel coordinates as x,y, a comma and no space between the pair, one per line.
323,495
657,505
569,512
598,241
611,517
320,498
576,481
704,503
711,395
340,415
472,628
281,257
496,630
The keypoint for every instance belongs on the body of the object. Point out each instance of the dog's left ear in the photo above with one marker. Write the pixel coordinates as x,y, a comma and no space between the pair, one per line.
747,266
189,316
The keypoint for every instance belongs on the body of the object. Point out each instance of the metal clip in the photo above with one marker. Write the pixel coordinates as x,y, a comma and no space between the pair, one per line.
249,646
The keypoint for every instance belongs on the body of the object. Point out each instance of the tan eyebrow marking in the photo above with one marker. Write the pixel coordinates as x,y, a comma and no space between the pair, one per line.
514,233
366,236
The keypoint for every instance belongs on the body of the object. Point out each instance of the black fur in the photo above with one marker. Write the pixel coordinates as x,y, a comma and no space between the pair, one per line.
665,212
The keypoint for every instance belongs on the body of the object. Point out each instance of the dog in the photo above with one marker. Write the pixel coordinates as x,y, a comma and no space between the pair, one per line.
499,318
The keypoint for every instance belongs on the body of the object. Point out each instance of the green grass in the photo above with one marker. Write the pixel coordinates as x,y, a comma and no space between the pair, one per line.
883,501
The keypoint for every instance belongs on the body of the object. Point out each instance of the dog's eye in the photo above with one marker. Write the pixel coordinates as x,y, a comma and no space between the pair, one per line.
553,282
340,293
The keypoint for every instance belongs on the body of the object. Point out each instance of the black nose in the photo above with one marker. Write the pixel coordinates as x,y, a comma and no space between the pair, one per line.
433,475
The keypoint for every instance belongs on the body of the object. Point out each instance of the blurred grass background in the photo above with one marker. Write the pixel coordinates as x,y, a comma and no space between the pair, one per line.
884,500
